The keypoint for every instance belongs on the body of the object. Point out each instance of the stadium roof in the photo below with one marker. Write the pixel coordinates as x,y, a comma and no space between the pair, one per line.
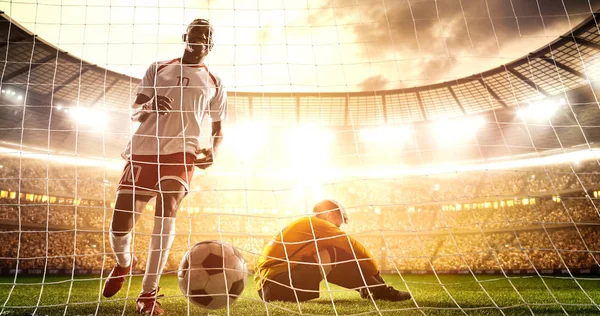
42,78
50,76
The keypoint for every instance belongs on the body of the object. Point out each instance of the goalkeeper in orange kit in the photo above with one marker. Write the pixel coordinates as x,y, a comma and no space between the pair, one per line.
314,248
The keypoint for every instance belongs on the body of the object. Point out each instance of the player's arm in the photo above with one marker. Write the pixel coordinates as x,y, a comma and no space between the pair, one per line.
140,108
146,103
216,136
331,236
217,114
144,106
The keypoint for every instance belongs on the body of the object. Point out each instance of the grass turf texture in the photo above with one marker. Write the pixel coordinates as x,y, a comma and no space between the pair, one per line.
557,296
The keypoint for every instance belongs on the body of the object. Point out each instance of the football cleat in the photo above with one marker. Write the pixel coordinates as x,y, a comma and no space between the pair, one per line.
148,304
385,293
116,278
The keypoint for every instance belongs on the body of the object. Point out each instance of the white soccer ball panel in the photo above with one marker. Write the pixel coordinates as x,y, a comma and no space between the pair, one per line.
233,263
216,248
228,251
183,283
239,273
217,285
197,254
197,278
182,274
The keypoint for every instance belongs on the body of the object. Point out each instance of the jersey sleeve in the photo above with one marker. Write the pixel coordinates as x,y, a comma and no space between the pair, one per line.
218,104
329,235
146,86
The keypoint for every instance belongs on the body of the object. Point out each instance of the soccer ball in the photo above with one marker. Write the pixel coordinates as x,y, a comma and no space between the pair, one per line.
212,274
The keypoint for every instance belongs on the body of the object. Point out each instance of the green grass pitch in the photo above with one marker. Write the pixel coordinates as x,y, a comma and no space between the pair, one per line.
486,295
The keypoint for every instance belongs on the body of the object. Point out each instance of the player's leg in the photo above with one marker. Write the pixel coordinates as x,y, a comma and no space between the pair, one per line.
163,234
135,190
127,208
176,173
345,272
300,284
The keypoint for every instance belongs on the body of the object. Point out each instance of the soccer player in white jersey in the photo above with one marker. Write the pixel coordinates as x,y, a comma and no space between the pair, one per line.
172,100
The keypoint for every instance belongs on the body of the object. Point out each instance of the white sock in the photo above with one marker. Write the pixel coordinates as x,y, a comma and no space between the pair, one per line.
160,244
121,247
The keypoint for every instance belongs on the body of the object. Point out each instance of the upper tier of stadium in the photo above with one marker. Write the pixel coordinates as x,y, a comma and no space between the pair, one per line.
51,76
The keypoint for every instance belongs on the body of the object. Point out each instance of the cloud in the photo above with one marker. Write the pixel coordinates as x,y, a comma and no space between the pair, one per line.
433,34
376,83
436,68
426,27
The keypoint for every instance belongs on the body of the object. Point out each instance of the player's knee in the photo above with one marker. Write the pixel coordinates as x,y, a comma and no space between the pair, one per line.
327,255
327,259
172,187
120,228
172,192
169,204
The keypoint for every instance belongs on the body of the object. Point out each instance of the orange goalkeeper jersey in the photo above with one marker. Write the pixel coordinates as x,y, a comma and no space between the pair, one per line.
299,241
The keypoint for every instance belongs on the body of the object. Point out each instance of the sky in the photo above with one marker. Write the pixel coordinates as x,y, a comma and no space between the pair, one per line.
308,45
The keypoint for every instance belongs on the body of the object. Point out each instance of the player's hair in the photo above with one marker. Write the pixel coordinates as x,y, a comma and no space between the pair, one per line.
325,206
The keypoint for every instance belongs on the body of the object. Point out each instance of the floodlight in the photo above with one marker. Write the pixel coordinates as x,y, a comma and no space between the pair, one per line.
95,118
310,147
540,110
451,131
248,138
386,134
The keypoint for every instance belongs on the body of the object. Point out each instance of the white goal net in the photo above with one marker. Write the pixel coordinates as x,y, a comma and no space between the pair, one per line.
459,135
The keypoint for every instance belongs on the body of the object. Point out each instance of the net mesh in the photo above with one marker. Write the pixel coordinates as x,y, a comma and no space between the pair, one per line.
476,194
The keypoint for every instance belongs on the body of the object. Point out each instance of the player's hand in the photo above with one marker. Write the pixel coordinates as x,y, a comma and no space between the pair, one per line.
162,104
205,161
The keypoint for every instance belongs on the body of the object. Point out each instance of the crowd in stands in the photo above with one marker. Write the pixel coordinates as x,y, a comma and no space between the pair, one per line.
91,250
494,216
540,217
61,179
41,176
531,249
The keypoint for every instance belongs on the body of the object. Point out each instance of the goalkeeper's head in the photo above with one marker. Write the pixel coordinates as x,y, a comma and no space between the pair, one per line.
331,211
198,39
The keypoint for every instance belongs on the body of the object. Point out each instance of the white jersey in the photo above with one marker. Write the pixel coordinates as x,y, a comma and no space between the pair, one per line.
195,91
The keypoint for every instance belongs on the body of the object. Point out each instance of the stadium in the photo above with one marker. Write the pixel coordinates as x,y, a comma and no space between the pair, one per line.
473,184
